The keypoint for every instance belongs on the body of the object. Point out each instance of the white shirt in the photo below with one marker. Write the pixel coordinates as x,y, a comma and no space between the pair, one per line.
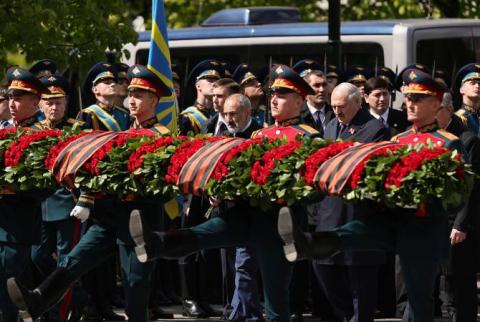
220,120
384,116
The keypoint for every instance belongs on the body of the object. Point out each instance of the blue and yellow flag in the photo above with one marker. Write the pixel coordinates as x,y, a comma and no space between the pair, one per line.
159,63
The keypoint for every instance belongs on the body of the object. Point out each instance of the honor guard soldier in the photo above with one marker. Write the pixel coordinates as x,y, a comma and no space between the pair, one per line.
194,118
122,84
358,75
110,228
251,88
467,82
44,67
59,231
420,242
103,114
242,226
21,212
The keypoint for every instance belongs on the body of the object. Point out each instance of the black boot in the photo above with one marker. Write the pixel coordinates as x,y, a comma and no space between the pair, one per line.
33,303
157,313
151,245
188,282
300,245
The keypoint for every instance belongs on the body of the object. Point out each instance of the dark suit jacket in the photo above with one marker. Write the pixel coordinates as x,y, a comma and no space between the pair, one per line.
333,211
397,121
211,124
307,118
247,133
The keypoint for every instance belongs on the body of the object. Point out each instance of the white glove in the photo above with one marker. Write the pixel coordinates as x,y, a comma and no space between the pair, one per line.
81,213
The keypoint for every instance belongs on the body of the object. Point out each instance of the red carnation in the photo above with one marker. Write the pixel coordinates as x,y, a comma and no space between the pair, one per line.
315,160
262,168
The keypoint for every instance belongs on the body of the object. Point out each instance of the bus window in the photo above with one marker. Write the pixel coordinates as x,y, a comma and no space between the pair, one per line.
447,54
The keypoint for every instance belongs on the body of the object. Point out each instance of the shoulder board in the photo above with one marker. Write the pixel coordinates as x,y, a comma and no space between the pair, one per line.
254,133
461,114
123,109
305,128
160,129
74,121
447,135
38,126
399,135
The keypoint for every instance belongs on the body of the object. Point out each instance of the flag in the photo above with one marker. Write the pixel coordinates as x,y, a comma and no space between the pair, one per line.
159,62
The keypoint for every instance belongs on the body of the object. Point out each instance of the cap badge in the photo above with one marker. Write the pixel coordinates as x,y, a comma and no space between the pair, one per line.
136,70
412,75
16,73
279,70
51,78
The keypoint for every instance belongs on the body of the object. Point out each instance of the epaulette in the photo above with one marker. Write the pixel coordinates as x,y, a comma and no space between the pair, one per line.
399,135
255,133
448,135
161,129
461,114
305,128
75,121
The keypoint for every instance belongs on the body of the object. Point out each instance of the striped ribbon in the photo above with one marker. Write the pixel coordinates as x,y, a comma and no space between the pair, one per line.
76,153
334,174
199,167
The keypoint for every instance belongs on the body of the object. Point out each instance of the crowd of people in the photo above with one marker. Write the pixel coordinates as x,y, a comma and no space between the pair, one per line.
64,255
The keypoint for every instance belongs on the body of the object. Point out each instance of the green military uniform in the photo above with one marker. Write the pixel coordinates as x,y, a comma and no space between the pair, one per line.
20,218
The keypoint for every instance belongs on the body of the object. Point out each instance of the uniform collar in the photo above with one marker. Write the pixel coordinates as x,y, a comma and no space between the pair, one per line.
145,124
426,128
26,122
288,122
471,109
202,108
105,107
51,124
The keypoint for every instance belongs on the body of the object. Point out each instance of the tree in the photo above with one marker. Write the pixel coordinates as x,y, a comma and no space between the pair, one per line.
74,33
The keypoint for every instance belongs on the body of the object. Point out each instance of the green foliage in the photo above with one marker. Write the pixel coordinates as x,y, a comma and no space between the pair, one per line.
74,33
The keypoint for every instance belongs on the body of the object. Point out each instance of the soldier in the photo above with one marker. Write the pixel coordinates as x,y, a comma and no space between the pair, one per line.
59,231
111,224
358,75
421,243
194,118
5,116
21,212
42,68
122,84
103,114
468,84
251,88
241,226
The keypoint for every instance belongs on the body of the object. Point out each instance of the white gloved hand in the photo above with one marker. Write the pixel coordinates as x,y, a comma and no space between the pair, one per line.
81,213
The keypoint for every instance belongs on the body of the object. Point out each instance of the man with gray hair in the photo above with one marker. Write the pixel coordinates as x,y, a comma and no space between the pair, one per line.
237,115
246,299
349,279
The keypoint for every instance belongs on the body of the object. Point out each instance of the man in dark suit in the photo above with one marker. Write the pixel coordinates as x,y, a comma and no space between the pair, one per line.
222,89
349,275
319,112
377,95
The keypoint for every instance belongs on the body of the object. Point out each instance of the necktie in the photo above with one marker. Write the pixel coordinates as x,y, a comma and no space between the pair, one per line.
385,123
341,129
221,128
316,117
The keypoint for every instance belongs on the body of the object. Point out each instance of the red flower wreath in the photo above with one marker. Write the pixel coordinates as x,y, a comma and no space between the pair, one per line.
135,160
357,174
100,154
315,160
15,152
221,170
262,168
410,163
4,133
57,148
182,154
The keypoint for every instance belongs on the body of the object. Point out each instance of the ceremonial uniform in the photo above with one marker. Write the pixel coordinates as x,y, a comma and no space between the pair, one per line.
238,226
98,116
21,212
194,118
